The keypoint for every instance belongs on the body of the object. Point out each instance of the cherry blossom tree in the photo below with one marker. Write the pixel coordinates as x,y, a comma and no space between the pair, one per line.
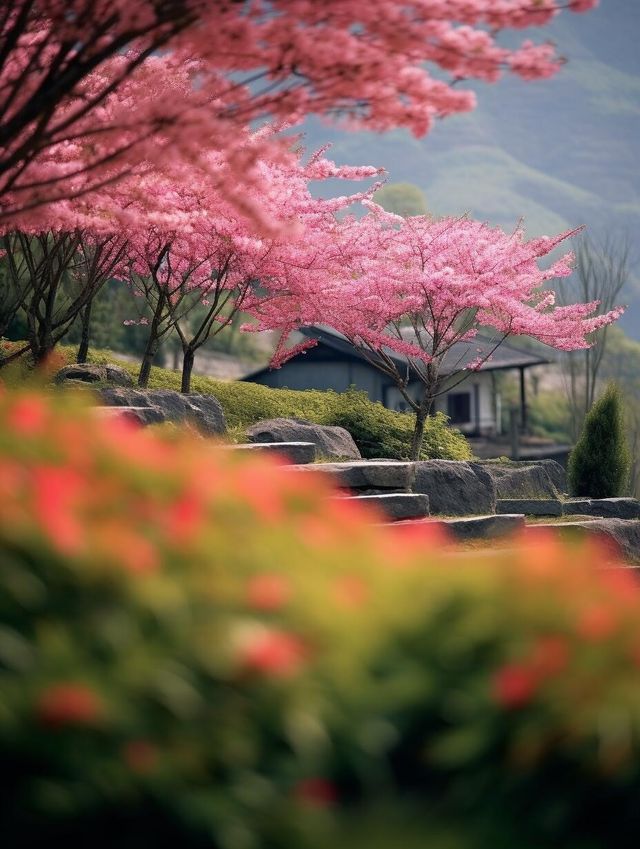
91,89
418,286
201,251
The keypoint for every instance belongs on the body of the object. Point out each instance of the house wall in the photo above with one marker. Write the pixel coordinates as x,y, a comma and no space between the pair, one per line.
302,374
319,369
481,403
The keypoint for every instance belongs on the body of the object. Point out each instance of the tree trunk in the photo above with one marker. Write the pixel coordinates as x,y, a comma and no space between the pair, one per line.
147,359
85,321
187,368
153,343
422,414
42,344
418,435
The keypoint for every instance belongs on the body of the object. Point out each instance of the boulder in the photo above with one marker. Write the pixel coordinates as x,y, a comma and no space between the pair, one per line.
455,488
90,373
522,481
609,508
557,473
334,443
203,411
142,415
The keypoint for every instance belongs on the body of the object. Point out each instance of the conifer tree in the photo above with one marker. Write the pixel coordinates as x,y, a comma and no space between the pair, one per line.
599,464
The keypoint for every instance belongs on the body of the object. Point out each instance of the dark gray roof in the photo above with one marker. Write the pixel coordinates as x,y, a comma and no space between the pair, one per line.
506,356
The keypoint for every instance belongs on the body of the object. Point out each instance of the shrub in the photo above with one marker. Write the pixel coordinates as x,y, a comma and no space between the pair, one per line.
599,464
199,649
380,432
377,431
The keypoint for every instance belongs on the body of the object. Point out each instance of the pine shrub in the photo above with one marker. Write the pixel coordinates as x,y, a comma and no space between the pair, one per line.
599,464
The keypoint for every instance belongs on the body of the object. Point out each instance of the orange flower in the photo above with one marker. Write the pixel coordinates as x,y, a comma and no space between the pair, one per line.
69,703
268,592
350,590
596,623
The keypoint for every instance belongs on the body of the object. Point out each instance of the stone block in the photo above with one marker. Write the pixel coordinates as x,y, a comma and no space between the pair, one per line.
455,488
368,475
293,452
530,506
396,506
613,508
484,527
517,480
331,442
624,533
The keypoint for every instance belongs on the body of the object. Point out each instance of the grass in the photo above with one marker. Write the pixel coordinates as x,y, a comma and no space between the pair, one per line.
377,431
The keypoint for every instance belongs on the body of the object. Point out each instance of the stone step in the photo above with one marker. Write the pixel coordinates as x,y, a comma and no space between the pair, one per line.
530,506
625,533
397,506
298,453
484,527
607,508
372,476
465,528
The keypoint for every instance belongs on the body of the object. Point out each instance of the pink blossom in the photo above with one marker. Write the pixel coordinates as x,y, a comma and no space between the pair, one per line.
93,91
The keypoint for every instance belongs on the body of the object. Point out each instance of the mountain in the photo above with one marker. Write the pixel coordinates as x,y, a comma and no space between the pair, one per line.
558,153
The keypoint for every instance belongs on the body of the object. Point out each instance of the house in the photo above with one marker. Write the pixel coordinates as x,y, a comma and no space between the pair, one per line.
474,405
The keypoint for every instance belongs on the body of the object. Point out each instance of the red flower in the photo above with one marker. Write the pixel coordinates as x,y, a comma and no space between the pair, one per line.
58,492
184,518
514,685
317,792
69,704
272,653
28,415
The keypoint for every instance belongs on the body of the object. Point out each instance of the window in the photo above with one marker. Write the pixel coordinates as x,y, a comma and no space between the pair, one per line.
459,407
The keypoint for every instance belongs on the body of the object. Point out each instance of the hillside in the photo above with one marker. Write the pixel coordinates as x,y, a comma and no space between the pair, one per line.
560,153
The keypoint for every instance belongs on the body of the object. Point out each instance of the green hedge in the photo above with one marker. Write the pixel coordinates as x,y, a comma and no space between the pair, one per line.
377,431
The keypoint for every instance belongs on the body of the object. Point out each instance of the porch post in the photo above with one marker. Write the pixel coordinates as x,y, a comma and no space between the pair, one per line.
476,408
524,423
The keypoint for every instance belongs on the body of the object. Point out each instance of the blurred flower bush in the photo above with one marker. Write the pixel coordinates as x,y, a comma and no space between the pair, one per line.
203,650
